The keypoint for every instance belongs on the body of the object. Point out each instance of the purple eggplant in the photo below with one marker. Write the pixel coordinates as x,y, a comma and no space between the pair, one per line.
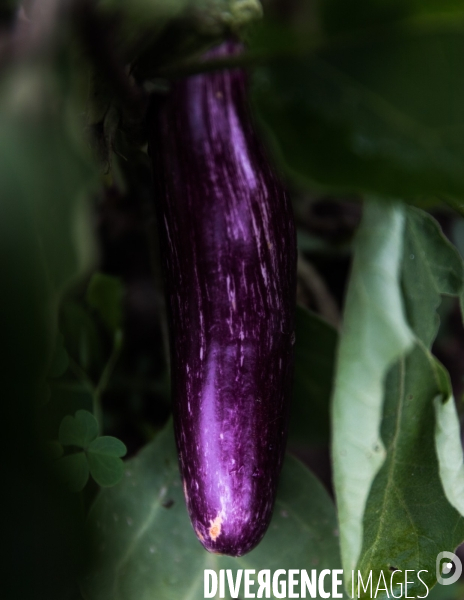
228,244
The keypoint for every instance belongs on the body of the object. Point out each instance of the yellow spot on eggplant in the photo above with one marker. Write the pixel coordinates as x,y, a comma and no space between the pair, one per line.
215,529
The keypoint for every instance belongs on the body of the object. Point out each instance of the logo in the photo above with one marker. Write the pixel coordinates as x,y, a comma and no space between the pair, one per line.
446,561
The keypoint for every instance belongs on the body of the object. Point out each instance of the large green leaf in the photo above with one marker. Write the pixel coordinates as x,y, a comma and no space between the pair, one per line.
375,333
146,548
431,267
376,112
450,592
449,451
312,385
408,518
439,271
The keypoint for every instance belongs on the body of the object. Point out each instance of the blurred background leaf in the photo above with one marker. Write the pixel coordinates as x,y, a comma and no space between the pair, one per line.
46,176
377,111
145,547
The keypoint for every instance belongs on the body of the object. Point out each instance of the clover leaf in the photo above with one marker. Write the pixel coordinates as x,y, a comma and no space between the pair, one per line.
98,456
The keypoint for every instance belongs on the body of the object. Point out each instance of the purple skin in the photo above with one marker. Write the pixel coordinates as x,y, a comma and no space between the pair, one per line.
229,250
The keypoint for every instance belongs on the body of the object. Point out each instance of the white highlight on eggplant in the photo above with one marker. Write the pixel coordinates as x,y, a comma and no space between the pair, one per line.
218,475
167,231
241,151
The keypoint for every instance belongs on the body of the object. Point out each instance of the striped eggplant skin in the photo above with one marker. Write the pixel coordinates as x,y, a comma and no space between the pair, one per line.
228,243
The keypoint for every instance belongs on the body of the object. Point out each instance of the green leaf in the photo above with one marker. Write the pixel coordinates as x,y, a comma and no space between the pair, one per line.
431,267
315,345
60,360
105,294
443,274
108,446
66,398
375,333
457,235
376,113
107,470
105,465
449,451
79,430
74,470
448,592
146,548
408,518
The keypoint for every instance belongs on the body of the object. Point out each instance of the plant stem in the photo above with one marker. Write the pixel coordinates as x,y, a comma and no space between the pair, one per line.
81,375
319,291
105,377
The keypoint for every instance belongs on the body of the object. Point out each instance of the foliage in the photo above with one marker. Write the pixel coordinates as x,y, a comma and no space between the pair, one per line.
97,455
135,520
378,102
361,98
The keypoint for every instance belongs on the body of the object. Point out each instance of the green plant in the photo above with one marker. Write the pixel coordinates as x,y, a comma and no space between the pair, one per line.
361,105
